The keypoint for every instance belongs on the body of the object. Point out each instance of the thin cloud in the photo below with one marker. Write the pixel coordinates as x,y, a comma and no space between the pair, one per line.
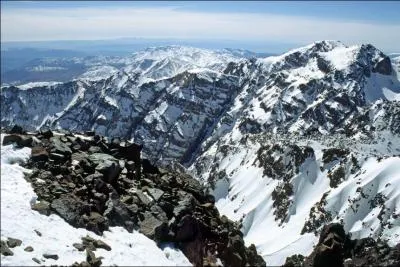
100,23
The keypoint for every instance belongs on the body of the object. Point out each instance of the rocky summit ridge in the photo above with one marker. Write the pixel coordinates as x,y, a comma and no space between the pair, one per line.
95,183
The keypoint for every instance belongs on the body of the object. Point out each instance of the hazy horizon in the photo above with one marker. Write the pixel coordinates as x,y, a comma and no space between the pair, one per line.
270,27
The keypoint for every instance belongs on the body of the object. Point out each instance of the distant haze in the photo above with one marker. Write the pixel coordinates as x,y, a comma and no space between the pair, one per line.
257,26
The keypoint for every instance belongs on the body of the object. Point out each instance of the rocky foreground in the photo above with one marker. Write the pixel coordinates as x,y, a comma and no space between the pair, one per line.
95,183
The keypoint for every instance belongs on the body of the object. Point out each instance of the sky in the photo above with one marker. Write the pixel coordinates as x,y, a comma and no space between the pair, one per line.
290,23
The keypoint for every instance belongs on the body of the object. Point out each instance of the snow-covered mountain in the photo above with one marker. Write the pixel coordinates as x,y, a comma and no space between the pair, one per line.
285,143
153,62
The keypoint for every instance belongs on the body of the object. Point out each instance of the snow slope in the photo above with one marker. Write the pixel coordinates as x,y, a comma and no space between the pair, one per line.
18,220
366,199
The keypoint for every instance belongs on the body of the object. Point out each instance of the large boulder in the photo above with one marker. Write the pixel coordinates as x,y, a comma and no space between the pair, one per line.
69,208
20,140
131,152
153,227
117,212
59,147
39,153
106,165
16,129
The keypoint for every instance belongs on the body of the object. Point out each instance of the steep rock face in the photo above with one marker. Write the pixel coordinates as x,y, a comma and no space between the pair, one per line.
318,88
336,248
170,115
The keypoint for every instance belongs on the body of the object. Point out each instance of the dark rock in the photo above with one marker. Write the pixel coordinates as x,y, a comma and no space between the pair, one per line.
13,242
68,208
79,246
94,190
39,153
153,228
100,244
36,260
38,233
94,149
43,207
28,249
20,140
93,177
92,259
88,239
329,250
116,212
5,251
143,198
130,166
57,156
187,229
293,261
148,167
81,191
106,165
59,147
47,134
97,223
50,256
16,129
185,205
131,152
90,133
384,66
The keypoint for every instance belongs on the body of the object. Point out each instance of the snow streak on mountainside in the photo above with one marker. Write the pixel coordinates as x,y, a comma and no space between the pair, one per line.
56,236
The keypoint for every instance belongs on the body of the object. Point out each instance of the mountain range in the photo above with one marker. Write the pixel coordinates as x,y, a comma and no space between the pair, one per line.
285,143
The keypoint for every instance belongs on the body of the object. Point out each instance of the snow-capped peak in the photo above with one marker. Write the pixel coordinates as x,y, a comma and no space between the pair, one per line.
167,61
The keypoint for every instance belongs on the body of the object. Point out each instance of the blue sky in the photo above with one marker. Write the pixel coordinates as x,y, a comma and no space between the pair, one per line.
278,22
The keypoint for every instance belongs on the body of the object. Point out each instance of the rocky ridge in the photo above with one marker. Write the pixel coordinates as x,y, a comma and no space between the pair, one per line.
336,248
93,182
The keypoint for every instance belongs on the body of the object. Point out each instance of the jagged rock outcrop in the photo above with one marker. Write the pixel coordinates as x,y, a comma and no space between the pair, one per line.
336,248
91,189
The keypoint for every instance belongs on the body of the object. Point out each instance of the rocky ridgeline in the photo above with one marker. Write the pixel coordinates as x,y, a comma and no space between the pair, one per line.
335,248
95,183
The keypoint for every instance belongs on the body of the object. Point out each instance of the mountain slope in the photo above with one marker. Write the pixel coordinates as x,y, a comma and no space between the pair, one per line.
285,143
272,94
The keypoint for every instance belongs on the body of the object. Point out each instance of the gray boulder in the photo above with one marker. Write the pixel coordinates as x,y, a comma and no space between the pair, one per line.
106,165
